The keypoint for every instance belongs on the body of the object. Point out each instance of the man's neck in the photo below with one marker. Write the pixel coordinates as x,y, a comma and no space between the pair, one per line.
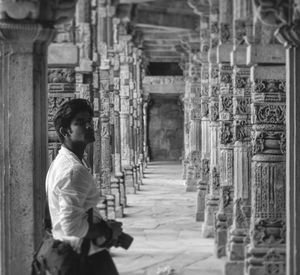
77,149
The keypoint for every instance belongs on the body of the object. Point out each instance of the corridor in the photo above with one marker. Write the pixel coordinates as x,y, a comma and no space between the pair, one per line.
161,217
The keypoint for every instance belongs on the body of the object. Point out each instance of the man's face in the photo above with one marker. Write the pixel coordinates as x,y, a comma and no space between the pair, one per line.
81,128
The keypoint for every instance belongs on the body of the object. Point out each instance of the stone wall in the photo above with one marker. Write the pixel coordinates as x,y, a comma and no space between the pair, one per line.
165,128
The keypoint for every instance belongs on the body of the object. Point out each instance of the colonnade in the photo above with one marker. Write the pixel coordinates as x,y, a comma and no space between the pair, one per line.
241,197
241,121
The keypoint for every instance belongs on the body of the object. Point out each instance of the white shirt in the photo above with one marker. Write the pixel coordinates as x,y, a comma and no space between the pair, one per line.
71,192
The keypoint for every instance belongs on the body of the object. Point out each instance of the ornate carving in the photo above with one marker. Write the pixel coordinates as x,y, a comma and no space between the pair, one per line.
241,106
242,130
224,32
267,113
242,220
274,262
214,111
241,82
215,179
269,86
269,232
282,143
205,169
226,104
196,114
226,198
204,109
240,30
61,76
269,196
226,134
258,143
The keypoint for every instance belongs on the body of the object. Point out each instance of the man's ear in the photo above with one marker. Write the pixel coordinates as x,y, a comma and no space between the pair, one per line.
63,131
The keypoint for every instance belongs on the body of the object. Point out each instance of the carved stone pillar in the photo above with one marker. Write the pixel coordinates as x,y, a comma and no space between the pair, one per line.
62,61
84,69
139,118
186,104
23,116
117,181
145,124
121,199
104,45
266,250
224,215
288,34
205,123
195,127
134,117
239,231
212,198
125,60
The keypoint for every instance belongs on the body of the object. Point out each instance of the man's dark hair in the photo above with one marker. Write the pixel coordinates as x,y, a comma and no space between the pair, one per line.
67,111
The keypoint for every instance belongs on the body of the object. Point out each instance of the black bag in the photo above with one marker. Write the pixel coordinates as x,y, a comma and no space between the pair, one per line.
59,258
56,257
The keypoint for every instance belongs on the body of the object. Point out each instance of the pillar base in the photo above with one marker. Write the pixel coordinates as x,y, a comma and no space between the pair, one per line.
123,198
208,228
135,178
221,236
116,191
200,216
129,180
191,187
202,191
208,231
234,268
265,260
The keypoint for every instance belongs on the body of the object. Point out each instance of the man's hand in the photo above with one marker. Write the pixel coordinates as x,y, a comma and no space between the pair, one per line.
116,231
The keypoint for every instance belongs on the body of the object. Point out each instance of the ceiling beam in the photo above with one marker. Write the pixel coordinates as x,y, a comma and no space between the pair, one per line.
166,20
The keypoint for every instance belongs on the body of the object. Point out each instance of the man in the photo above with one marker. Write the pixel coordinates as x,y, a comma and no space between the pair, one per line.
72,192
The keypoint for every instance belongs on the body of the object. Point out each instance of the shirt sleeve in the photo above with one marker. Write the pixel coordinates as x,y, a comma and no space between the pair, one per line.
71,196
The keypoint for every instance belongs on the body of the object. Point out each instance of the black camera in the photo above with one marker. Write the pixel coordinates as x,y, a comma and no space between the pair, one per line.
124,240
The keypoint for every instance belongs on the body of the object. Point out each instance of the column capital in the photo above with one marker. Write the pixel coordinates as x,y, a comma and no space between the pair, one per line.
25,32
54,12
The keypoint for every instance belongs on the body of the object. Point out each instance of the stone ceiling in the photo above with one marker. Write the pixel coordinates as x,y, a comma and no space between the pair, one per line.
166,28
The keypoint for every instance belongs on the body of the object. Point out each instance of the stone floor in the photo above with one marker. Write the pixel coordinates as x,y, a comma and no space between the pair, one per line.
161,217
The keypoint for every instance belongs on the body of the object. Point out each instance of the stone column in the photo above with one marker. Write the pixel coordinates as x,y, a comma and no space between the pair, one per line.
239,231
104,43
266,250
224,215
134,117
84,70
117,134
212,199
288,35
117,105
205,123
145,125
186,107
125,59
139,119
23,115
63,58
195,127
